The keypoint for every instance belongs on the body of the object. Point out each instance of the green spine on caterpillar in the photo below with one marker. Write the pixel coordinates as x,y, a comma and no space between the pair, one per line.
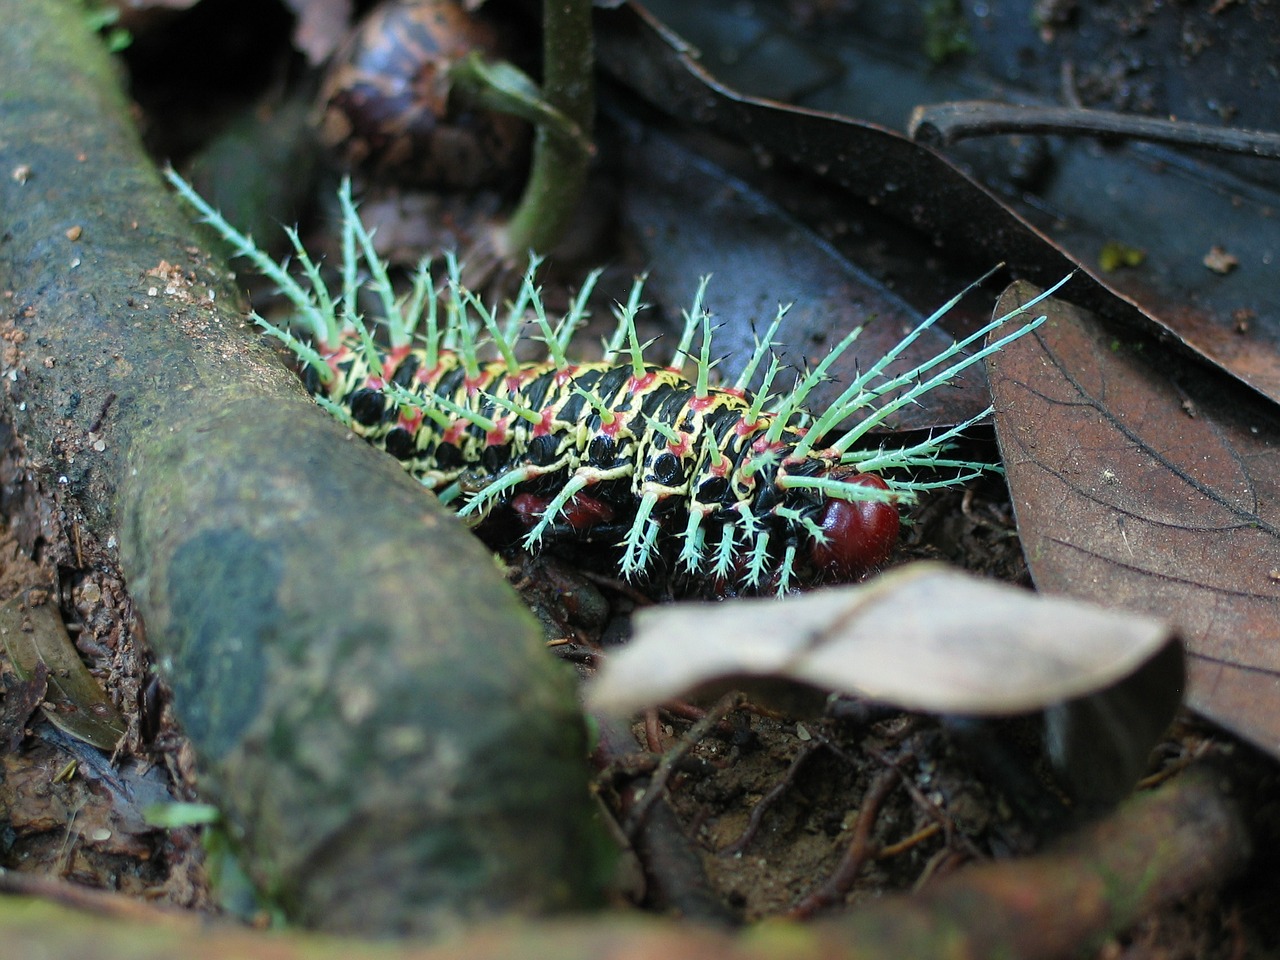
763,347
737,479
625,332
572,487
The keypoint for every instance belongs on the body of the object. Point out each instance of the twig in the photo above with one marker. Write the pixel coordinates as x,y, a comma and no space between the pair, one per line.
658,782
652,731
930,809
769,799
945,123
101,902
917,838
673,870
620,587
1157,849
859,851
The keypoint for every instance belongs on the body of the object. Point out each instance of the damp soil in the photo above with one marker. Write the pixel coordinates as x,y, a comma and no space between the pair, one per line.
773,814
68,810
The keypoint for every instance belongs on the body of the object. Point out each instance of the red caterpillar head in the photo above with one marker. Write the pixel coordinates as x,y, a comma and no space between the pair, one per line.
860,533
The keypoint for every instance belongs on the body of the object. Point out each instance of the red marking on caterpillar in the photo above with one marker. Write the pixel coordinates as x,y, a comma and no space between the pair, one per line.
699,404
395,357
580,514
546,424
455,432
410,420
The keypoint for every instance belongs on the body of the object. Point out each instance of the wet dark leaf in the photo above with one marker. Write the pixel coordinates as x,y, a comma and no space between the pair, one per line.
1151,485
692,218
1173,294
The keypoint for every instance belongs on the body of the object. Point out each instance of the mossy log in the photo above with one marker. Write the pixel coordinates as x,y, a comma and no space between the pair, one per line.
373,709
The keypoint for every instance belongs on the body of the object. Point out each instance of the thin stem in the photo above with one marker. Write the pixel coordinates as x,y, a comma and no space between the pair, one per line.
667,765
559,171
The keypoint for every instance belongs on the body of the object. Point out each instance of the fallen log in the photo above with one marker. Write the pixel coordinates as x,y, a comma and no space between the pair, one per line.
374,712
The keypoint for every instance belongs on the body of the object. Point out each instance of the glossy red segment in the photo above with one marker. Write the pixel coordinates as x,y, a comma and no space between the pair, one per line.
579,514
860,533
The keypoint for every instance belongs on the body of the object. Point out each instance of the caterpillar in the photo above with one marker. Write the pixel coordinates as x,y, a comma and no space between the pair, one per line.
746,485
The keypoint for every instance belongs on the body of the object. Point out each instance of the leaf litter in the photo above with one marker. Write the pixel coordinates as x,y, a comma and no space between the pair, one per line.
1147,484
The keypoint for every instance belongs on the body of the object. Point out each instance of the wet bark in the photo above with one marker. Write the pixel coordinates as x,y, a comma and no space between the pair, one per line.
372,708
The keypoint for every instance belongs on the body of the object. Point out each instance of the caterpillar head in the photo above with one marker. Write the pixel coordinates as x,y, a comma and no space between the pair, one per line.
860,533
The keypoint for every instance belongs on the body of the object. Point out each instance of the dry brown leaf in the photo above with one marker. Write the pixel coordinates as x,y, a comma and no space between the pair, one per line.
1145,483
923,637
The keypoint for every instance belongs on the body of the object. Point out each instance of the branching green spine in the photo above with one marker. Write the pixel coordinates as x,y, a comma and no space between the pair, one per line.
739,479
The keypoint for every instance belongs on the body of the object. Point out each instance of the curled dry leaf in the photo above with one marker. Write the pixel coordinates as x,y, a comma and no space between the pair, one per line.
1149,484
922,637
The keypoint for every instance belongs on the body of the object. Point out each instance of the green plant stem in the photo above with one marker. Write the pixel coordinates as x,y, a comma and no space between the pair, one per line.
498,85
559,172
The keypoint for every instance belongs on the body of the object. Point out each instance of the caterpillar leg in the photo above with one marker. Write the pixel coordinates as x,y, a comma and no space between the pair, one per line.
554,509
641,537
485,498
786,570
695,537
726,551
758,561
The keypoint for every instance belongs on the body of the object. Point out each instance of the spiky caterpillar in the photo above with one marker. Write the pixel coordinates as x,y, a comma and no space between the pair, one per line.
750,487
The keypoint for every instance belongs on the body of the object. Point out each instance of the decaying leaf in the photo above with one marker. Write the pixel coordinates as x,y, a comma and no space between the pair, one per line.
923,637
1151,485
19,699
691,218
927,191
75,703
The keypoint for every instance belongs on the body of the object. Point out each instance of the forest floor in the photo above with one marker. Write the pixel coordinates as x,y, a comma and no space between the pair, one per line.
767,815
